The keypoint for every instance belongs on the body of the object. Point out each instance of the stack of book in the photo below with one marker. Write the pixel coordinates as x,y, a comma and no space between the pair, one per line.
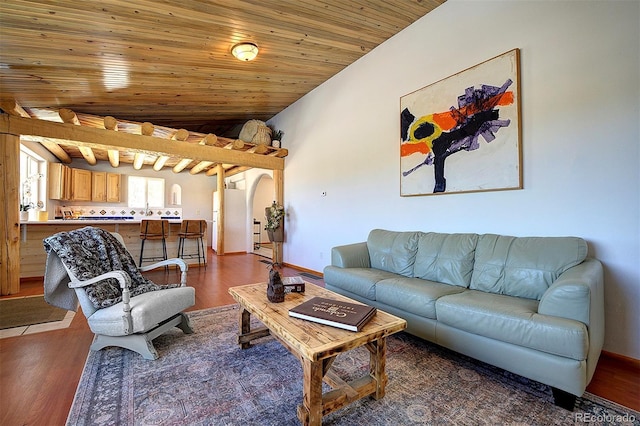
348,316
293,284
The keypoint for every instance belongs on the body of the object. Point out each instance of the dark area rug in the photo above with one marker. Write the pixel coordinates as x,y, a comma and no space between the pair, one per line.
24,311
206,379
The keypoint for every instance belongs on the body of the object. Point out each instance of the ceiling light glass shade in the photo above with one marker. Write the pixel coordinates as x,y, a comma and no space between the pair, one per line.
245,51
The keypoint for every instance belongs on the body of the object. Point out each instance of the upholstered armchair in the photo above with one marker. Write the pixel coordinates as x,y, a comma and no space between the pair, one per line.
92,267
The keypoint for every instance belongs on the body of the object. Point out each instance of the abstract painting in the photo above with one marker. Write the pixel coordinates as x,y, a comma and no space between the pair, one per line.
462,133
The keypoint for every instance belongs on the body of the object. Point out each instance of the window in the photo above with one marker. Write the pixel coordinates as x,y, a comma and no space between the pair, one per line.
33,182
144,192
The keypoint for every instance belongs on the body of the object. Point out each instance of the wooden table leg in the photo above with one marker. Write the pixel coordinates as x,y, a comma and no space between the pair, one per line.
310,411
245,327
246,335
377,362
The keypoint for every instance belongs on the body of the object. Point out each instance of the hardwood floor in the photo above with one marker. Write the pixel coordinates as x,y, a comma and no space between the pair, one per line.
39,373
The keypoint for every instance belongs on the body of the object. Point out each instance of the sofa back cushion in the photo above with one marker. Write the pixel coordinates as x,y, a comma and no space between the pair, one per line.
445,258
393,251
523,266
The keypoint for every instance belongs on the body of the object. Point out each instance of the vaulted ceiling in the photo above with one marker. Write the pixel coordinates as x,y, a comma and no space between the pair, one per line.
169,62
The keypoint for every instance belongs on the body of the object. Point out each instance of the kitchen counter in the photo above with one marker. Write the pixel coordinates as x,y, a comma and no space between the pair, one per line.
88,221
33,257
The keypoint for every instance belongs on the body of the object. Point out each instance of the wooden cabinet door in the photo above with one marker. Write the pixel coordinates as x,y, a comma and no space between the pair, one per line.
57,181
113,187
81,185
68,183
98,186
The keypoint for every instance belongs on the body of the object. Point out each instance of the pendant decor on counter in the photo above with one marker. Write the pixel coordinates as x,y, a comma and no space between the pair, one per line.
275,287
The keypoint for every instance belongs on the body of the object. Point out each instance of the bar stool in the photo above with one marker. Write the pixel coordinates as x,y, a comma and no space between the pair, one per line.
193,230
154,230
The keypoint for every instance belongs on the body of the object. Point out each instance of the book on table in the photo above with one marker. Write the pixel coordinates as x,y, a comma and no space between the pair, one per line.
292,280
293,284
336,313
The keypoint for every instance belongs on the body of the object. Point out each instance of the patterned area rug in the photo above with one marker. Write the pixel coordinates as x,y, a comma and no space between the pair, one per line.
206,379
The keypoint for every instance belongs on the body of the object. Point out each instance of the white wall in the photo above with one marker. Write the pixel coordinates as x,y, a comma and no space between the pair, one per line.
580,90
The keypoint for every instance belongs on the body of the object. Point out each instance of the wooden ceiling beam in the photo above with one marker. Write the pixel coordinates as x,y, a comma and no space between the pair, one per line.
146,129
200,167
105,139
111,123
210,140
10,106
181,135
70,117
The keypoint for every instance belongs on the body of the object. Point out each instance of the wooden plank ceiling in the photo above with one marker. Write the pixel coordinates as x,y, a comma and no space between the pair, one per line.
169,63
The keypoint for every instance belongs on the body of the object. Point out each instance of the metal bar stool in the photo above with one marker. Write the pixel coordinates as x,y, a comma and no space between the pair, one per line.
154,230
193,230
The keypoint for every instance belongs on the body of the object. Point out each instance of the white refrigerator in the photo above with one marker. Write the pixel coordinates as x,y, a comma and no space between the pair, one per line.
235,221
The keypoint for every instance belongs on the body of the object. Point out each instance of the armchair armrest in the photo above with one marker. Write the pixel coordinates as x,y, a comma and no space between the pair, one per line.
351,256
125,282
122,277
175,261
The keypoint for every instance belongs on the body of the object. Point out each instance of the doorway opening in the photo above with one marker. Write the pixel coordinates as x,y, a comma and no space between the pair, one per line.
263,196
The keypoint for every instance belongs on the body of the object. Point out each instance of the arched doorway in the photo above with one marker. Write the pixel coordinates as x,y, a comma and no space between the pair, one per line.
261,197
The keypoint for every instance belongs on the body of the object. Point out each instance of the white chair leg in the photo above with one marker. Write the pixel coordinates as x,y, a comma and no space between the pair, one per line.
143,343
185,324
139,343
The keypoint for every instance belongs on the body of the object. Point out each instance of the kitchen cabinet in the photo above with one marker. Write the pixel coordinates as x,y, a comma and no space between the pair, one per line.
99,186
105,187
81,185
113,187
69,184
59,181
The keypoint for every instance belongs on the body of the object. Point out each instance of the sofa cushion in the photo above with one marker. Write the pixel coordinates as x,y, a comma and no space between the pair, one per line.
413,295
393,251
513,320
445,258
360,281
524,266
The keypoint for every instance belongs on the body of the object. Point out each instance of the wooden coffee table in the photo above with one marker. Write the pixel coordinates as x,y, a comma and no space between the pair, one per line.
317,346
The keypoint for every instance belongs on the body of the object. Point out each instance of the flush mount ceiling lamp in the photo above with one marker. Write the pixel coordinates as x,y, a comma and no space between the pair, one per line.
245,51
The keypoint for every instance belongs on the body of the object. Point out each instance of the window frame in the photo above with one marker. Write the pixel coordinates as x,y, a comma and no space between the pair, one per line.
148,200
33,179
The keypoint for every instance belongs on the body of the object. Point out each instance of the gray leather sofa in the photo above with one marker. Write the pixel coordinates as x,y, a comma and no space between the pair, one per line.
530,305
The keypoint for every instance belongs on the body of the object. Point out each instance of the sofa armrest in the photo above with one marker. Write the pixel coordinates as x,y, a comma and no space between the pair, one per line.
351,256
576,293
579,294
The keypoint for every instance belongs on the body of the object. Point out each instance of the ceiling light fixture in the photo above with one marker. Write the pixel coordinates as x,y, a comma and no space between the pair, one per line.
245,51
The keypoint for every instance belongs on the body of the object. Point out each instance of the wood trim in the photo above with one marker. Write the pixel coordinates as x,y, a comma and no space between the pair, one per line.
84,136
220,206
278,181
635,363
301,269
10,223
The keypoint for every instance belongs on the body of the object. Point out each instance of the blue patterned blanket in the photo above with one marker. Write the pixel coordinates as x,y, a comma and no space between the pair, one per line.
89,252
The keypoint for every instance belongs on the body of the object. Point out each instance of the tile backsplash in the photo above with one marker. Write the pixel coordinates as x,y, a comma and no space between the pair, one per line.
120,213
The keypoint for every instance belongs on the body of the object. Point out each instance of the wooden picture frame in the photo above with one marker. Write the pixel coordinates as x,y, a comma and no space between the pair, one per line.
463,133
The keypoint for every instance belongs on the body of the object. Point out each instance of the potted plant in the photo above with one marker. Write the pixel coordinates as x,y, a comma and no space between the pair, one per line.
276,137
24,211
275,222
